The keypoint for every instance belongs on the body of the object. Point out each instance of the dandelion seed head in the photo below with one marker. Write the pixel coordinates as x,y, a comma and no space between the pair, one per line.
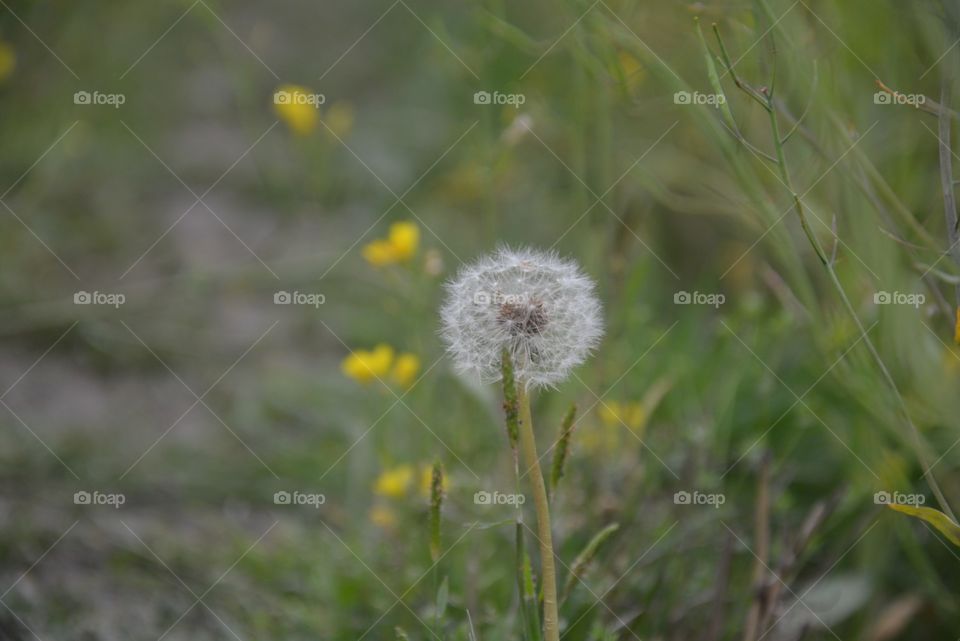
540,308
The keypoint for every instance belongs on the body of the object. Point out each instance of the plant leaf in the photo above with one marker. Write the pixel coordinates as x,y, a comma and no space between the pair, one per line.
443,596
936,518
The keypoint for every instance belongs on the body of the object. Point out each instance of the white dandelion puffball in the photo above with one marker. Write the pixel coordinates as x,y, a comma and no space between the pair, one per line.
540,308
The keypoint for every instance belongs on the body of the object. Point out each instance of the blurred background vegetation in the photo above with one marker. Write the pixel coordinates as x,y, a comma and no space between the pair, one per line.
200,200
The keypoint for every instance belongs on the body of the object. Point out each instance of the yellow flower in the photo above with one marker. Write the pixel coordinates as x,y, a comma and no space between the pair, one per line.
382,516
405,238
297,106
379,253
633,415
394,482
400,245
339,118
405,370
364,366
8,60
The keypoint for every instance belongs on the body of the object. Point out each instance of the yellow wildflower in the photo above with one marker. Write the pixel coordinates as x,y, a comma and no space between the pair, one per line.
8,60
394,482
405,238
297,107
400,245
633,415
364,366
405,370
378,253
382,516
339,119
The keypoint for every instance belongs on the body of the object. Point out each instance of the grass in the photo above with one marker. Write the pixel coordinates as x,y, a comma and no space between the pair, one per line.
795,398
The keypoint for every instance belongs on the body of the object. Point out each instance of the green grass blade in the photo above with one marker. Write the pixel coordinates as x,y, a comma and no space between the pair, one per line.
936,518
587,555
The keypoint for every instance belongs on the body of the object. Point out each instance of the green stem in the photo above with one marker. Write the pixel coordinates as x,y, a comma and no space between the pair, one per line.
548,572
918,443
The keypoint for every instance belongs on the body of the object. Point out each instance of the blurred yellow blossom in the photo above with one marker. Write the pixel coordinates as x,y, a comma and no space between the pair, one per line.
405,370
405,238
382,516
400,245
339,119
394,482
8,60
364,366
297,107
378,253
632,414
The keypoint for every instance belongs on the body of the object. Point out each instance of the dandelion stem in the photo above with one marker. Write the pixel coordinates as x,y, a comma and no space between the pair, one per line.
548,572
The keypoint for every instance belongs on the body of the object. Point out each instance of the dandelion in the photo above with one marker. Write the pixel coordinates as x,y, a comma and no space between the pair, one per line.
394,482
365,366
405,370
539,308
295,105
528,317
